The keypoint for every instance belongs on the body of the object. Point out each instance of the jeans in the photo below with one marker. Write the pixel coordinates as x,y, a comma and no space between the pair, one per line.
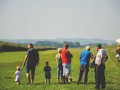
100,76
83,68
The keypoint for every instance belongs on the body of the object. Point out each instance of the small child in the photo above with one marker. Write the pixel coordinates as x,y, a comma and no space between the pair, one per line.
47,70
59,66
18,75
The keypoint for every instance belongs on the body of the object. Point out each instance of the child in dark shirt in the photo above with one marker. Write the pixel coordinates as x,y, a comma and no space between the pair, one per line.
47,70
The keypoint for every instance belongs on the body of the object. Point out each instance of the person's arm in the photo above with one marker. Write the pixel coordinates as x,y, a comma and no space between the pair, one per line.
14,74
68,54
92,56
25,59
101,58
38,58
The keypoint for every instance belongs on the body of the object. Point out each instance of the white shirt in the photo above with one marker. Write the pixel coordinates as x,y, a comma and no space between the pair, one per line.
98,56
18,75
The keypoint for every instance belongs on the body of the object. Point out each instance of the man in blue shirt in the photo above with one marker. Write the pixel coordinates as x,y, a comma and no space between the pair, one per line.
84,64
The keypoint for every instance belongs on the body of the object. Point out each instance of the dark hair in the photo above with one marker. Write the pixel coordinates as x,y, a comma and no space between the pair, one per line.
66,44
46,62
31,44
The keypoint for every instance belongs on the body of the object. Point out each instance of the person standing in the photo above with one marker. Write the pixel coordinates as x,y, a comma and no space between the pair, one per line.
84,64
59,66
100,60
31,60
66,62
47,70
118,53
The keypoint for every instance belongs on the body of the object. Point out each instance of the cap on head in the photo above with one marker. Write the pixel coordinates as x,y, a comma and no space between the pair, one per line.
98,45
87,47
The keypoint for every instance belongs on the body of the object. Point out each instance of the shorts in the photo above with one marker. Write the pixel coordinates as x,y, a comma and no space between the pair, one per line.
66,69
30,68
48,76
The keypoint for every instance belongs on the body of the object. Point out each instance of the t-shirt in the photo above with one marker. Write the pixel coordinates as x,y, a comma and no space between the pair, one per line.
18,75
85,57
98,58
47,69
66,56
33,57
58,58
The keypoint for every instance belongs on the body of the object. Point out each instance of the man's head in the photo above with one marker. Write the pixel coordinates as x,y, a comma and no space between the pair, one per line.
30,45
98,46
88,48
66,45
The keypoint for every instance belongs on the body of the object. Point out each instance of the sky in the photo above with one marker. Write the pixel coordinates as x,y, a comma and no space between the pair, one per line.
51,19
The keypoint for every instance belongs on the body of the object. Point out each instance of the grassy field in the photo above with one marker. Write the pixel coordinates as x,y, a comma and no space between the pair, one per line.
9,61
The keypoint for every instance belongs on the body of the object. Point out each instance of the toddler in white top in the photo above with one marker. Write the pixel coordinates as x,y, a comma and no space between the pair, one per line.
17,75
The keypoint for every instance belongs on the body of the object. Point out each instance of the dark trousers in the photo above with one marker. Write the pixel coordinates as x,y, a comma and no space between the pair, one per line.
100,76
83,69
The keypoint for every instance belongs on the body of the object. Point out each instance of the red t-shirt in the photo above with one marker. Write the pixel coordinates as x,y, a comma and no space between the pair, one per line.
66,56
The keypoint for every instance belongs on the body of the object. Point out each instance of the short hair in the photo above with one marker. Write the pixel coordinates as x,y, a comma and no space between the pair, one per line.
59,49
47,62
31,44
65,44
18,68
87,47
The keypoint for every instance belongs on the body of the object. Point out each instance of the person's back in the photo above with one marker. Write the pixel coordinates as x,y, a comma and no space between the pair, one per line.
47,69
58,59
85,57
32,56
66,56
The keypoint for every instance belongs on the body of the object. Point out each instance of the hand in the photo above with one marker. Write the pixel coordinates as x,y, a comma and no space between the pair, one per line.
22,68
99,63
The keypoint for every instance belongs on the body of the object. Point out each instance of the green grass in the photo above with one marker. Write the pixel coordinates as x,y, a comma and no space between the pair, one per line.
9,61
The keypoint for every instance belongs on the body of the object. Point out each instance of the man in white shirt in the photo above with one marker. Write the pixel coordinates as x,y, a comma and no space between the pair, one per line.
101,58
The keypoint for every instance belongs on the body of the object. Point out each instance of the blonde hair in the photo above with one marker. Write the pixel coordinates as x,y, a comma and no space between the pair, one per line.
18,68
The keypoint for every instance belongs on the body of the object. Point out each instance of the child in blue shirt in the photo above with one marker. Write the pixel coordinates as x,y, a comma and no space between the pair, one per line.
47,70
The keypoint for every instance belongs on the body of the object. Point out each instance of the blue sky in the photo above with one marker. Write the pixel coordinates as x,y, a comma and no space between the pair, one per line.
49,19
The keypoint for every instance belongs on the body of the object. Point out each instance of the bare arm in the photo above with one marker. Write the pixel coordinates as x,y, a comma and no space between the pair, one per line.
25,59
101,58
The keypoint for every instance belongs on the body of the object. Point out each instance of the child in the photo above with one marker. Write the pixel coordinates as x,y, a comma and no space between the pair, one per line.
59,66
18,75
47,70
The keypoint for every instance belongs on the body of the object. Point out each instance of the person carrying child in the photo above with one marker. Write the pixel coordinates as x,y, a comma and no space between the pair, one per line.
17,75
47,70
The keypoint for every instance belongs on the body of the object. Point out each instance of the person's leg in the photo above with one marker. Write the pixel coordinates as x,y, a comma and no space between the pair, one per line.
103,76
49,81
58,76
32,73
86,74
27,74
97,77
64,72
45,80
81,70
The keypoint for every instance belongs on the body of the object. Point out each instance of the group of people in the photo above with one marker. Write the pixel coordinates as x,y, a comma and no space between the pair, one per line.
63,60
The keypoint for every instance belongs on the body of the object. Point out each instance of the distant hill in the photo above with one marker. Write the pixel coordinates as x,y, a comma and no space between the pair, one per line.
82,41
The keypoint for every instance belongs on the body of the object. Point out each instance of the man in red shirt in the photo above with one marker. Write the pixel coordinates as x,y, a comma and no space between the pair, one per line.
66,62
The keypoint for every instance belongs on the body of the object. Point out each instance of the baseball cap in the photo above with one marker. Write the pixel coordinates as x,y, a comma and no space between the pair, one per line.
98,45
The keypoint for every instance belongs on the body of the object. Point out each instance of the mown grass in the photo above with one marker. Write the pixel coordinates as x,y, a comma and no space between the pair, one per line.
9,61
